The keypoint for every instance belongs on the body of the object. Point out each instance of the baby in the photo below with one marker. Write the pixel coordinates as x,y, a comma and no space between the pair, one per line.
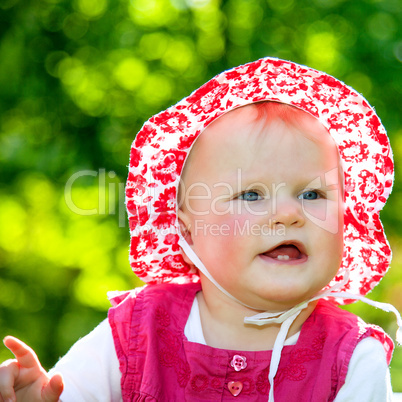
276,221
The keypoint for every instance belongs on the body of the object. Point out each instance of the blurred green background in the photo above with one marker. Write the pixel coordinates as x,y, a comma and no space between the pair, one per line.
77,80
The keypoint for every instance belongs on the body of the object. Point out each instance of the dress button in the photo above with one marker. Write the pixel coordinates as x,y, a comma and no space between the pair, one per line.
235,387
238,362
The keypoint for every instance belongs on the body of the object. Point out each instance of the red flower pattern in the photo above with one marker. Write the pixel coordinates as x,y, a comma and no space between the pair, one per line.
169,355
166,200
173,241
203,90
171,122
143,244
175,263
183,373
162,317
135,185
388,166
199,382
135,157
187,140
145,136
211,101
360,212
140,214
140,268
370,187
165,220
169,165
354,151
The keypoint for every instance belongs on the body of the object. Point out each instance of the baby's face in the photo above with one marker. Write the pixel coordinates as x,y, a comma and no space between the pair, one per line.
263,205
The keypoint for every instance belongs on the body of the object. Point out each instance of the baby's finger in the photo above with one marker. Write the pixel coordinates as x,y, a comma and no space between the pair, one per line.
24,354
52,391
9,371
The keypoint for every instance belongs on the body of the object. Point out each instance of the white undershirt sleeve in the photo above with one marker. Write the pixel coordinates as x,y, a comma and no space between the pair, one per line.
368,378
90,369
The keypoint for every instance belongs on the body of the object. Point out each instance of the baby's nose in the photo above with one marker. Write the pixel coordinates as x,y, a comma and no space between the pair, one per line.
288,213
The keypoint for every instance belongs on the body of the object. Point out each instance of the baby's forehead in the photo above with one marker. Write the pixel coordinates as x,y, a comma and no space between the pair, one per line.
258,135
250,123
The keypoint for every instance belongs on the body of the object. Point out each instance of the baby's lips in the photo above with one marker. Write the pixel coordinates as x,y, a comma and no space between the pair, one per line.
290,250
294,250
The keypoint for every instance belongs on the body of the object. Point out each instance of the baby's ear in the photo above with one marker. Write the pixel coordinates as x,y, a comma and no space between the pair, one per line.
185,226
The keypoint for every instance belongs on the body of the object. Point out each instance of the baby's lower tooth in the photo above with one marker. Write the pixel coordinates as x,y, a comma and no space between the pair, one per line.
283,257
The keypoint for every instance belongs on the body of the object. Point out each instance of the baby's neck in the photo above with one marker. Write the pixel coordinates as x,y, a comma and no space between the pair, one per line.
224,328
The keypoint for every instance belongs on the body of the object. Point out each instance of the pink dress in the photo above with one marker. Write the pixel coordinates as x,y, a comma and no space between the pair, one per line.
158,363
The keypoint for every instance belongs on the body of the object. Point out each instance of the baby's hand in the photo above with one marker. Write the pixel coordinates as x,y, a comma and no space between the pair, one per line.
24,379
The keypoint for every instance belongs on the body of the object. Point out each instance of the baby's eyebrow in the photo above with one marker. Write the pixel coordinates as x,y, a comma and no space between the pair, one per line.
244,175
241,182
231,178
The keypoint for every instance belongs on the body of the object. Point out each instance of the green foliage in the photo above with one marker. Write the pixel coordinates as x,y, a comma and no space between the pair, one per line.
78,78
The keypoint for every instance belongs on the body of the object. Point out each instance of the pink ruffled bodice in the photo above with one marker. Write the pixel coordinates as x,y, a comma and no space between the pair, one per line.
158,362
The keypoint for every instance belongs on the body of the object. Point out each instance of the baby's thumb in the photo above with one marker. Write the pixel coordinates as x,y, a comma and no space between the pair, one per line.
52,391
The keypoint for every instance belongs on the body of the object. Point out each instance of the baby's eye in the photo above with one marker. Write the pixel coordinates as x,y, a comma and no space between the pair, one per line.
250,196
309,195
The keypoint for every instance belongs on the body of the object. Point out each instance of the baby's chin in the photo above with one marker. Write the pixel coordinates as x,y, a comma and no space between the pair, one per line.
280,298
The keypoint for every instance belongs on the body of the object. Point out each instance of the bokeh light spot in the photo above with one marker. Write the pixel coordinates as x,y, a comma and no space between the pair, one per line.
157,89
13,218
86,86
179,55
322,50
91,9
130,73
282,5
211,46
152,13
75,26
154,45
398,51
360,82
381,26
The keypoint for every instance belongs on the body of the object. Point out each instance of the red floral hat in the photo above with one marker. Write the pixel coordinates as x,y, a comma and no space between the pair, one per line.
161,147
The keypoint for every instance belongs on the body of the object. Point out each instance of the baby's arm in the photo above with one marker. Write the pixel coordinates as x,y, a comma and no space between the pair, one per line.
24,379
368,377
90,369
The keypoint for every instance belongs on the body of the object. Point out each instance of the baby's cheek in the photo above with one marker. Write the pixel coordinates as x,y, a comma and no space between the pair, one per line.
316,212
325,215
237,227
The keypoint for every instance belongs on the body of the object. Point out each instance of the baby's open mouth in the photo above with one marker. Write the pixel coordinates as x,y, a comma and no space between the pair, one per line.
286,252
